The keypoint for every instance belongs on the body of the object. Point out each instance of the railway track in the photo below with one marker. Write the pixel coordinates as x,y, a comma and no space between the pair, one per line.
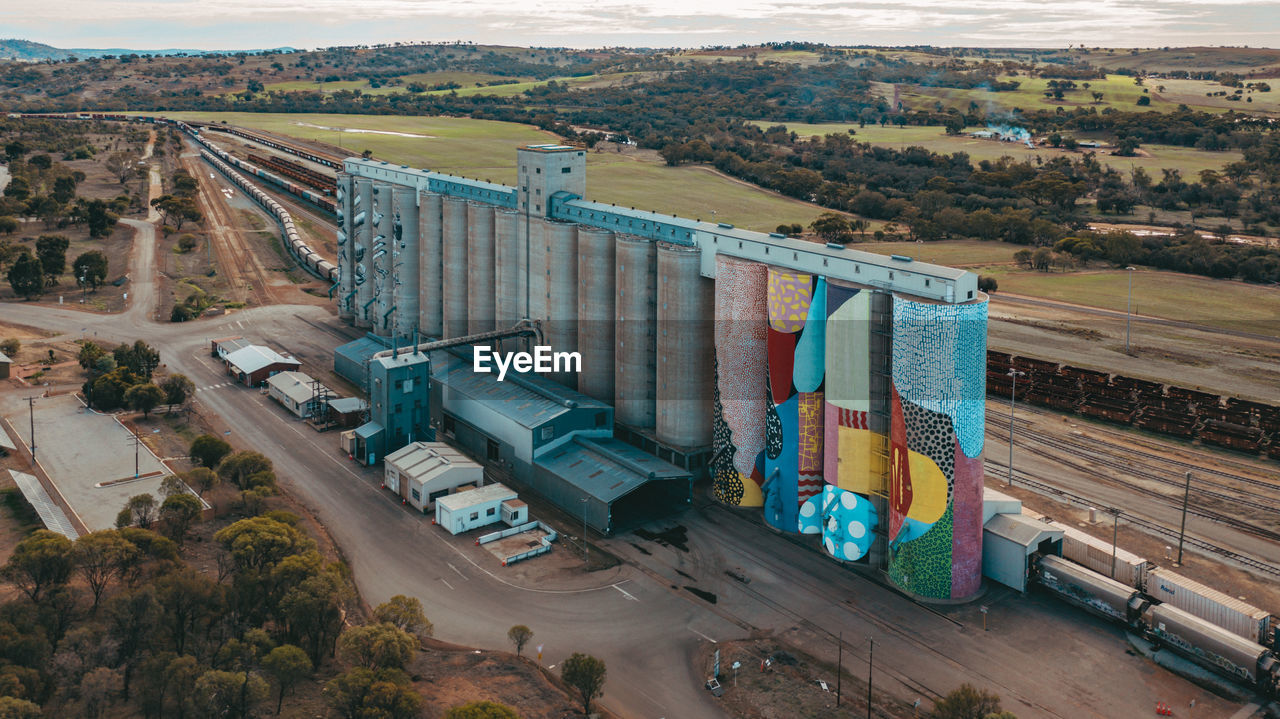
1021,477
1266,502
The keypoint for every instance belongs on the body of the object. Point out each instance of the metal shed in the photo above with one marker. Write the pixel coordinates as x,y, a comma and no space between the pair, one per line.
422,472
5,366
1007,542
349,359
610,484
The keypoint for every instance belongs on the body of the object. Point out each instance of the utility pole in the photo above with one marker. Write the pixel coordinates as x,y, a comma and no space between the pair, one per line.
31,412
1182,531
1012,395
137,442
839,664
870,668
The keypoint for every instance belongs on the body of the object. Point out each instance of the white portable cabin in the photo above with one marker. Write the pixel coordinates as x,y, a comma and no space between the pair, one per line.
421,472
474,508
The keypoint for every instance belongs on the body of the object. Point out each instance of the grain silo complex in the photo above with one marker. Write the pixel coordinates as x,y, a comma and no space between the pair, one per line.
837,392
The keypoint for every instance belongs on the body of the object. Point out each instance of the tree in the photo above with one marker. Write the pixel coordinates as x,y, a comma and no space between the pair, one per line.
177,389
90,268
52,253
139,511
121,164
313,611
239,467
8,224
482,710
177,514
96,689
377,646
15,708
987,283
362,693
405,613
1144,100
132,620
209,450
966,702
229,694
39,563
144,397
26,277
519,636
202,479
100,557
139,357
286,665
259,543
832,226
586,674
10,347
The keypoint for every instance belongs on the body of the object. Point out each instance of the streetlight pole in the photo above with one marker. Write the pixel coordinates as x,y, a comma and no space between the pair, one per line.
585,554
1013,392
839,664
870,668
1182,531
1128,310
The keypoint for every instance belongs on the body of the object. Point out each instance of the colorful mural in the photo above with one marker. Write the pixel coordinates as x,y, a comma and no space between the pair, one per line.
741,391
845,520
793,427
935,493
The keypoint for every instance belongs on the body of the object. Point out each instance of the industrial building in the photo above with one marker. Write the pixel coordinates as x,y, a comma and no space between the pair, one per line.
422,472
6,366
251,365
480,507
840,392
346,412
296,392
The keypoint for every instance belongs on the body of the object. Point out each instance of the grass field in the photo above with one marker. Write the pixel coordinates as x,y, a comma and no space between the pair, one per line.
1218,303
519,87
485,149
1188,160
466,79
955,253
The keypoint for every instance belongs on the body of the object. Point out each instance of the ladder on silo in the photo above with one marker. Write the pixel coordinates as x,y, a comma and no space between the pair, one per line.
880,418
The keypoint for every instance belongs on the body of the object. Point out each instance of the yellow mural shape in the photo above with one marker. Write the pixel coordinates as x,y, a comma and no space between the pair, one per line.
862,468
928,489
753,497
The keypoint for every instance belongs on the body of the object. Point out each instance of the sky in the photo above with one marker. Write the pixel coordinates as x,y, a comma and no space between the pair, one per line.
246,24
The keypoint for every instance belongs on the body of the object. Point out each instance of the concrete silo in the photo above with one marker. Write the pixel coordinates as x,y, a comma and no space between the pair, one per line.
430,264
480,268
346,274
455,267
506,253
381,246
361,257
596,282
561,271
685,348
634,309
405,265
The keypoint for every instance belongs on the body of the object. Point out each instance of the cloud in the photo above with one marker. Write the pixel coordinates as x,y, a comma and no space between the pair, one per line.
244,23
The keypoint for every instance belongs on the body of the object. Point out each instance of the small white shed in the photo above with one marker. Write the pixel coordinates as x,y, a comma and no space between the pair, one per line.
465,511
421,472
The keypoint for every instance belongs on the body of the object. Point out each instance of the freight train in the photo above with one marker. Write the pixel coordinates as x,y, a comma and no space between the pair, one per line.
309,258
1206,644
326,160
315,197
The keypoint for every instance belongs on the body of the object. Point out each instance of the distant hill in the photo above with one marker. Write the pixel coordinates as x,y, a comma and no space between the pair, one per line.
29,51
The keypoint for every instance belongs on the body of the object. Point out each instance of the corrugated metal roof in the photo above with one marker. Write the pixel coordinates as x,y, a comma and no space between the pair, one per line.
294,385
607,469
368,429
4,358
1121,554
528,400
472,497
254,357
1020,529
346,405
423,460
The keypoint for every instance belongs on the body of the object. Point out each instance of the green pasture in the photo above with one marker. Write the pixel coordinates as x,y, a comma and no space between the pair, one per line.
468,80
953,253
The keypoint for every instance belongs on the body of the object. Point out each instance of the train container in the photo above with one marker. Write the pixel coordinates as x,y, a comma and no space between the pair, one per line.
1209,604
1113,412
1256,409
1085,375
1232,429
1226,414
1035,365
1165,426
998,360
1230,441
1192,395
1052,398
1089,590
1274,450
1139,385
1172,412
1108,392
1093,553
1212,646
